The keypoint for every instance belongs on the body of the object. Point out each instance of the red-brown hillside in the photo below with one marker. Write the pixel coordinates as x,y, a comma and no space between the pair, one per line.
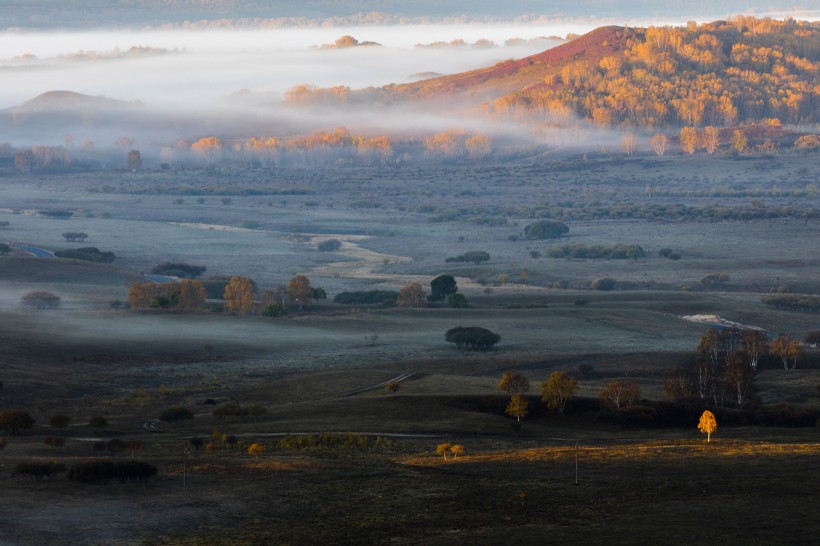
515,75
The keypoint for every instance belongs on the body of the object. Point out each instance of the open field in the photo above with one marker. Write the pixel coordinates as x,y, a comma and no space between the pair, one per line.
646,476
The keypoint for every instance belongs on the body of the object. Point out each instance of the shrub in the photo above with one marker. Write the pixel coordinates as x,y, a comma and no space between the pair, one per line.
175,415
274,310
475,257
457,301
331,245
715,279
366,297
41,300
14,421
603,284
665,252
98,421
182,270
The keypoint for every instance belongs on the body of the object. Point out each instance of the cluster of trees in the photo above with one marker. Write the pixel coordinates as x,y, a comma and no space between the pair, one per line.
727,363
181,270
458,143
187,295
597,252
474,256
805,303
238,293
716,74
555,392
649,211
88,253
73,236
472,338
39,470
368,297
446,447
319,148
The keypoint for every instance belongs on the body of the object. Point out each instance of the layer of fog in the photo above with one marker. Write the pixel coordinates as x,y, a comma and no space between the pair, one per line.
202,66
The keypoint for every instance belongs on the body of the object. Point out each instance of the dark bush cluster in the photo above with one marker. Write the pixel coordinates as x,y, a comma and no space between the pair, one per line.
102,472
367,297
546,229
804,303
604,284
475,257
88,253
14,421
472,338
597,252
331,245
182,270
38,470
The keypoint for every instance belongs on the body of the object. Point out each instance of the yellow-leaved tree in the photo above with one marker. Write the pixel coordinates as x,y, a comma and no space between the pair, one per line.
707,424
239,296
299,291
255,450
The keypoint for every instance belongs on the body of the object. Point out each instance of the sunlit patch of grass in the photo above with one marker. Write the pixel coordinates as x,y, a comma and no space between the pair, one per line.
660,450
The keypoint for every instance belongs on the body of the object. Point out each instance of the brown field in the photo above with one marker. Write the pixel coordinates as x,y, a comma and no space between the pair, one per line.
321,370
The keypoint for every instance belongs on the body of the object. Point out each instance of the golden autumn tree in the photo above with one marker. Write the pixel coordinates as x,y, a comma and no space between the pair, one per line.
299,291
140,294
739,141
557,390
255,450
707,424
787,350
239,296
412,296
688,140
208,148
517,407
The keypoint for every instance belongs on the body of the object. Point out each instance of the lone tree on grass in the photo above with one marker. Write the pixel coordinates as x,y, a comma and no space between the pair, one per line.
239,296
4,249
557,390
707,424
442,286
41,300
393,387
299,291
517,407
443,448
255,450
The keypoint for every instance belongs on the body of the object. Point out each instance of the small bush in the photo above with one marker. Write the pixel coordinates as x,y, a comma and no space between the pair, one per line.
715,279
457,301
331,245
41,300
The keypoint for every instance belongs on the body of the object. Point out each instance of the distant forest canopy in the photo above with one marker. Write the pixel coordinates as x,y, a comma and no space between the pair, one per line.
45,14
715,74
